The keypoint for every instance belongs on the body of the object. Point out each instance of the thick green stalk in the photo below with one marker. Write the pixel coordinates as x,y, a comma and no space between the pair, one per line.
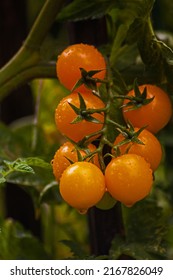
43,23
13,74
35,72
48,229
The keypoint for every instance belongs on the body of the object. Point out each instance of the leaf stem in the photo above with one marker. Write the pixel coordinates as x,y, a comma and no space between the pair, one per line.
42,24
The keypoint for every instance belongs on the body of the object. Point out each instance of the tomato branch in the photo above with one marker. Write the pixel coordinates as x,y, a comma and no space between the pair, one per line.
18,70
42,70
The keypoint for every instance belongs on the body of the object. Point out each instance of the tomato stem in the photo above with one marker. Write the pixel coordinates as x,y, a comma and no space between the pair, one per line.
87,137
92,111
27,63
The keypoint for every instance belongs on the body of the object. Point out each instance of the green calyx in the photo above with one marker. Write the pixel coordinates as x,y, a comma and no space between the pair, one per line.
138,100
83,113
88,80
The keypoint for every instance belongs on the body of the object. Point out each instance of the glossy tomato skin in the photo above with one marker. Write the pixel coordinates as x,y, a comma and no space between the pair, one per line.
128,178
151,150
64,115
66,153
154,115
75,57
82,185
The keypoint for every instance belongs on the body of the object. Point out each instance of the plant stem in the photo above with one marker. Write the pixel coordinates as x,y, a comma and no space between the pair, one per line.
123,128
42,24
19,69
38,71
36,116
48,224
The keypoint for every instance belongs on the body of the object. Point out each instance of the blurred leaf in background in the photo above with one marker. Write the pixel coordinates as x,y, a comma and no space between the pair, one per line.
18,244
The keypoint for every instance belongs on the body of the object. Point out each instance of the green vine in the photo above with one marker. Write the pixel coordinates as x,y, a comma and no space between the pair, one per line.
27,62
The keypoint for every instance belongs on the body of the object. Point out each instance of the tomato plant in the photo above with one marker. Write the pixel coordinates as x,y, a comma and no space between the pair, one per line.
99,80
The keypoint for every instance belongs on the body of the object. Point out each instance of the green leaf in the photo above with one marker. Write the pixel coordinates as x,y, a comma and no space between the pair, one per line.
82,9
23,168
119,85
38,162
20,165
141,8
135,31
16,243
8,167
133,250
20,172
75,248
143,228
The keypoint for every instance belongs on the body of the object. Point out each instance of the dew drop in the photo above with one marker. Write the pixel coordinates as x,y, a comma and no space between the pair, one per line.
82,211
129,205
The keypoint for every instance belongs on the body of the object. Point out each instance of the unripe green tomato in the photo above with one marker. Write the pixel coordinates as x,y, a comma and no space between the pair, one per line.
107,202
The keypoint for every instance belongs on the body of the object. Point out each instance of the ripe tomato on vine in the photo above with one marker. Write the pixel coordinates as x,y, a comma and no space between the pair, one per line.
149,148
82,117
155,115
68,153
82,185
65,115
128,178
75,57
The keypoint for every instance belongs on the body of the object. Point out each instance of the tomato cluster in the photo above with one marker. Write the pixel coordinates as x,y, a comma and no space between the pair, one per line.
78,165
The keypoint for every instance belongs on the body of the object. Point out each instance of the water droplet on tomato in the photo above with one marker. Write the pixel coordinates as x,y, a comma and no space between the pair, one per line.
82,211
129,205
